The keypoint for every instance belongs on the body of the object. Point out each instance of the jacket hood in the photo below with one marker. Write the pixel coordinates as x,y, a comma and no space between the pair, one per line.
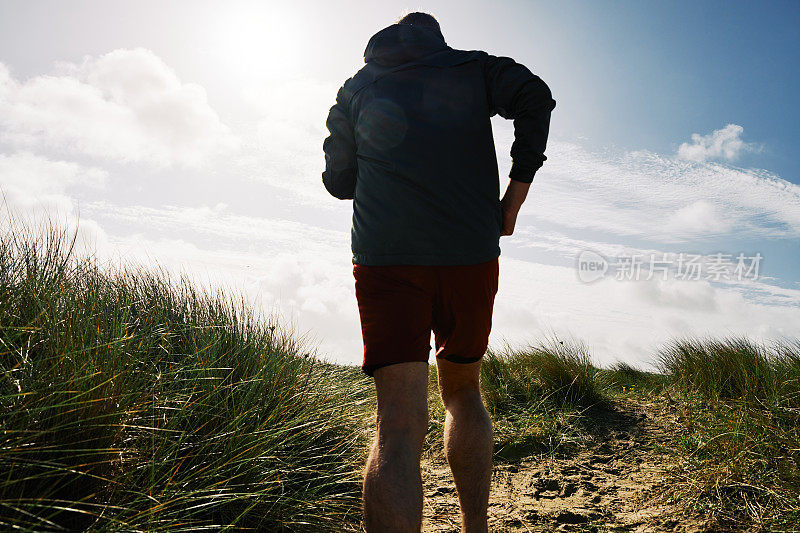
401,43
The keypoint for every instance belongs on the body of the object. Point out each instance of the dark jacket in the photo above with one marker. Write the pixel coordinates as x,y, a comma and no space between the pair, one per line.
411,143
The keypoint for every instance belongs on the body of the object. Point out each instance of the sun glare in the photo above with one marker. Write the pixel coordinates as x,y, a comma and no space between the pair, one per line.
257,41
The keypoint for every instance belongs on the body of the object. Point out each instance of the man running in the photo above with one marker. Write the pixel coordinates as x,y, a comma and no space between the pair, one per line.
411,144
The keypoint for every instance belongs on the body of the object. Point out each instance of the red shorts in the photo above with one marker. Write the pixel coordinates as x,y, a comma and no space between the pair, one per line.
399,305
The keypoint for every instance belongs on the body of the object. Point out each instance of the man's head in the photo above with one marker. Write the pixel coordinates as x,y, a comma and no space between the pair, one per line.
423,20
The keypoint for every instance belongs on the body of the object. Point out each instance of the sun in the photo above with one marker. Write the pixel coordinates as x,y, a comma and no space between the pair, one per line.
257,40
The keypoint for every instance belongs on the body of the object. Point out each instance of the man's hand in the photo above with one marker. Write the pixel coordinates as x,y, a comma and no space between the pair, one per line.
511,203
509,221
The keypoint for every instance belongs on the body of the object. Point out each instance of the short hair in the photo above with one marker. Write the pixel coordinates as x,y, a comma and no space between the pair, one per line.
424,20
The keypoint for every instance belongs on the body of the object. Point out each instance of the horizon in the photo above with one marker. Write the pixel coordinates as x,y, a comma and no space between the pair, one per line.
190,135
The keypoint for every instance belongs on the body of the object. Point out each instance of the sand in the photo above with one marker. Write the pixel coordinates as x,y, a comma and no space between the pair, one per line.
616,482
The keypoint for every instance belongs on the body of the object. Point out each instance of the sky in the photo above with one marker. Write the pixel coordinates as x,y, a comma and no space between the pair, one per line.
188,135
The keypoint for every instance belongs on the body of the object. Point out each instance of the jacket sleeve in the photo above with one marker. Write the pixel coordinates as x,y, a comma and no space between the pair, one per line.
516,93
341,165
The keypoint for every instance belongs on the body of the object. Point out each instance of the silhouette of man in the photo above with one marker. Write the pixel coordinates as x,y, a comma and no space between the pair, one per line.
411,144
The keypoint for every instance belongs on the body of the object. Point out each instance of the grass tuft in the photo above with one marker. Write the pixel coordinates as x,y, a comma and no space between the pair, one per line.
558,373
130,401
740,405
538,395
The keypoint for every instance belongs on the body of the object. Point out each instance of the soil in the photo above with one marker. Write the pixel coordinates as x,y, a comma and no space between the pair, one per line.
616,482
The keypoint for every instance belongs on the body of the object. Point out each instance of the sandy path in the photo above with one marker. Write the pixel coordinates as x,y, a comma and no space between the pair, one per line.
613,483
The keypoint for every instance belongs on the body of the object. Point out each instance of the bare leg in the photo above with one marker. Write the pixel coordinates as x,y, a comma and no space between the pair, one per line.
392,480
467,441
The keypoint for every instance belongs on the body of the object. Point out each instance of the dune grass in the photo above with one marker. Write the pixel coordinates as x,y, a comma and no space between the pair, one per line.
537,397
554,372
623,380
132,402
740,403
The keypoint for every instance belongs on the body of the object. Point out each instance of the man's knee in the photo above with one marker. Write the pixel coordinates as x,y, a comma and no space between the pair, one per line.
458,382
462,399
403,416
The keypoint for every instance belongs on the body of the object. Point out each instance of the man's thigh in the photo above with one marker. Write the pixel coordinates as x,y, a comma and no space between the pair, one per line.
402,391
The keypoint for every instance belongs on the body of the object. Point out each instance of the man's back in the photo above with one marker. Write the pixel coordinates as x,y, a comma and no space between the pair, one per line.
411,143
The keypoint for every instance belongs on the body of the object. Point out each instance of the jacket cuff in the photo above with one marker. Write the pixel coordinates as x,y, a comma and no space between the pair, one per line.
520,173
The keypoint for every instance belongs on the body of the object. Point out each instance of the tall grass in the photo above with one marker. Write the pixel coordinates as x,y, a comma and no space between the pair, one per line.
721,369
559,373
623,379
537,395
740,402
132,402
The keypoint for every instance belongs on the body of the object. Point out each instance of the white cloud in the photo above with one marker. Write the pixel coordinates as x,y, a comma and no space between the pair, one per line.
754,286
626,320
689,295
300,272
284,147
650,196
700,217
31,182
6,82
267,234
126,105
304,274
37,174
725,144
37,192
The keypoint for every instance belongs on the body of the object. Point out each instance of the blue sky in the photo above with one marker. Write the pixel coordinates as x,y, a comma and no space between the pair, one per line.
190,133
662,69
